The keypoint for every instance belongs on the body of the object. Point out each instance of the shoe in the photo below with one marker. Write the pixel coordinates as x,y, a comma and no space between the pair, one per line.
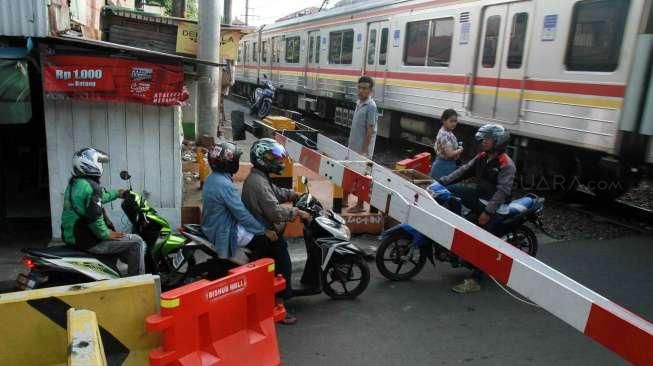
467,286
289,320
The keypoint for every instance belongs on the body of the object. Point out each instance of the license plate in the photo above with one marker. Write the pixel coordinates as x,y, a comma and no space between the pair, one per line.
178,259
24,282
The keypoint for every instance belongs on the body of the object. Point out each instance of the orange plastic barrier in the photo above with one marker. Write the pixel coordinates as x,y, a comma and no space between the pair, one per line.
420,162
225,322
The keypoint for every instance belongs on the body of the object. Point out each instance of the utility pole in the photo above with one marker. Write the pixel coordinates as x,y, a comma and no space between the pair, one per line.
227,12
246,12
179,8
208,77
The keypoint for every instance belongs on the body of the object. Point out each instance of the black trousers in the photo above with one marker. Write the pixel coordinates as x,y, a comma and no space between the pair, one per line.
261,247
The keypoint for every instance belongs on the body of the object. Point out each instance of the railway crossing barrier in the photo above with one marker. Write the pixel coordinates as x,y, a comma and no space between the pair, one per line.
611,325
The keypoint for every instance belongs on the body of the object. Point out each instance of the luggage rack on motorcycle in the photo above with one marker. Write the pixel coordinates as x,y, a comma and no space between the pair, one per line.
406,201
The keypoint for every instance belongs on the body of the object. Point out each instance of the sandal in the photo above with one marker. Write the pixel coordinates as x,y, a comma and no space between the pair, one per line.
288,320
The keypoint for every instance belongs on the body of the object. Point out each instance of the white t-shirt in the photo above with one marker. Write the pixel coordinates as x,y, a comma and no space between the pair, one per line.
243,237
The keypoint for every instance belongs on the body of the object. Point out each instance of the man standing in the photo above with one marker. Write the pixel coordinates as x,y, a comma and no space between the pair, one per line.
362,135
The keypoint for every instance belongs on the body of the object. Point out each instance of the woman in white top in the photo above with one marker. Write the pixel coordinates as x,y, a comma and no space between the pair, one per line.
446,147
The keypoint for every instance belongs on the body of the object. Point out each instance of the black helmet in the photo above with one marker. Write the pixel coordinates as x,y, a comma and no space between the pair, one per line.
88,162
265,155
224,157
498,133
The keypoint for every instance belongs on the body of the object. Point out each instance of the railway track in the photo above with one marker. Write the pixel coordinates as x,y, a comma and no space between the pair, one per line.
620,213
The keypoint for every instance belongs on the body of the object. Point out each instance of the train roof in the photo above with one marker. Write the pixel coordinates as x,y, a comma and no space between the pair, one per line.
341,10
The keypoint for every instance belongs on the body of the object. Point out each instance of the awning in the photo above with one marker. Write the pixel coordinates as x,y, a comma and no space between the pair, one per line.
91,43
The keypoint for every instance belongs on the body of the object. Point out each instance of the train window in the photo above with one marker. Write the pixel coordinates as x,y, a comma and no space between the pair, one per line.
440,42
254,52
428,42
517,40
416,43
596,34
341,47
371,47
264,51
492,26
292,50
245,52
317,49
240,53
383,51
311,48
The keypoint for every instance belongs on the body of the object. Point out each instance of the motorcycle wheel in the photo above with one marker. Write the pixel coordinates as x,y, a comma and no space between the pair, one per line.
339,277
265,109
523,239
397,249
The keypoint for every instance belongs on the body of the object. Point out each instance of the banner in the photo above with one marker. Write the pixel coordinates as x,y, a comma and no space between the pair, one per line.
113,79
188,38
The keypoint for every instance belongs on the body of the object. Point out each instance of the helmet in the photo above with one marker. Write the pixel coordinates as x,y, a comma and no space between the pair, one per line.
265,155
88,162
497,133
224,157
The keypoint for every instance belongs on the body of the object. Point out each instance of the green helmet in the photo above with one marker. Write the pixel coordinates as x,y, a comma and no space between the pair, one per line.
267,155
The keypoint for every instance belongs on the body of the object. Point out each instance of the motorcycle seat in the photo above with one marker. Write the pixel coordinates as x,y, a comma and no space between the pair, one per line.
516,207
195,229
57,252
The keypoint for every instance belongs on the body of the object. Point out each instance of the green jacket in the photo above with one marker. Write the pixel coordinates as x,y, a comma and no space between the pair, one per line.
79,194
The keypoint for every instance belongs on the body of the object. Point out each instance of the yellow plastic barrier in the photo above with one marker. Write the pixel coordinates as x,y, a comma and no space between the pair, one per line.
34,322
84,340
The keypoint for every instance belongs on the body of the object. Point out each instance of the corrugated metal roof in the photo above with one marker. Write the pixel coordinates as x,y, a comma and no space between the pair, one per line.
27,18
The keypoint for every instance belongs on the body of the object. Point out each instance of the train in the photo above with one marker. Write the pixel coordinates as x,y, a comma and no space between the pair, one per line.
570,79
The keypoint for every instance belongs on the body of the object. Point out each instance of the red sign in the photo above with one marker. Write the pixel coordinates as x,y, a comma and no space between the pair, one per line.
113,79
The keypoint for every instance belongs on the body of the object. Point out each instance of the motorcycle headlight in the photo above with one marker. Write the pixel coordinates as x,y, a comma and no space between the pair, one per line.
347,232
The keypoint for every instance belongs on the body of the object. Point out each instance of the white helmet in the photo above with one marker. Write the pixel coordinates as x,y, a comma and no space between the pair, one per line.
88,162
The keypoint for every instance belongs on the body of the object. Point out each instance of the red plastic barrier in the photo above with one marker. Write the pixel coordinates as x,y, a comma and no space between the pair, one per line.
420,162
229,321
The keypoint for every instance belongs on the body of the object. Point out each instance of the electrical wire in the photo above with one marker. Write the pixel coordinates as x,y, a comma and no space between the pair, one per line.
505,289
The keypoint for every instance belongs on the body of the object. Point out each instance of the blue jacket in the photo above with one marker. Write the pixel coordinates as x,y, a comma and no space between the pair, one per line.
222,210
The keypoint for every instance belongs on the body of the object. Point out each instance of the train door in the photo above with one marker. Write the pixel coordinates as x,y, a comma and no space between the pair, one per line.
376,56
312,71
276,57
501,61
246,61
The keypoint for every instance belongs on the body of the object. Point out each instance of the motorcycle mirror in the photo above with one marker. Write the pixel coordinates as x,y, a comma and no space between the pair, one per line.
124,175
265,76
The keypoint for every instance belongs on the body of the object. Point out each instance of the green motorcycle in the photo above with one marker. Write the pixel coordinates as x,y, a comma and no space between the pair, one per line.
173,257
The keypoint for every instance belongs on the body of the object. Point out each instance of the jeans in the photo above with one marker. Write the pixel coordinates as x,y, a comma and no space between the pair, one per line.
261,247
130,249
442,167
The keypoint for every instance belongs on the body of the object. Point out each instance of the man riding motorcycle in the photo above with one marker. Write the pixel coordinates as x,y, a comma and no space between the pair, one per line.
263,199
494,173
84,223
226,222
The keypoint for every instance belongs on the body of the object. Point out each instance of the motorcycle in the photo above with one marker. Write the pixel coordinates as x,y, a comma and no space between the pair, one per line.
404,248
167,254
334,265
261,101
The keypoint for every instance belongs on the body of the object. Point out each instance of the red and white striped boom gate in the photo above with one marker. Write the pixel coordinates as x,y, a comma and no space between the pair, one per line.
613,326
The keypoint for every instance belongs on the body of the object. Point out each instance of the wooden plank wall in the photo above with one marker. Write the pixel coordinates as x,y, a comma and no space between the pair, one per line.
143,139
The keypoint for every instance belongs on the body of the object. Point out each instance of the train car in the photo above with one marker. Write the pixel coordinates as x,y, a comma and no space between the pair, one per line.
571,79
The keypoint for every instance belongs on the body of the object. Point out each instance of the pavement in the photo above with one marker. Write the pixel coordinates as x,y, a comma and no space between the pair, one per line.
422,322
